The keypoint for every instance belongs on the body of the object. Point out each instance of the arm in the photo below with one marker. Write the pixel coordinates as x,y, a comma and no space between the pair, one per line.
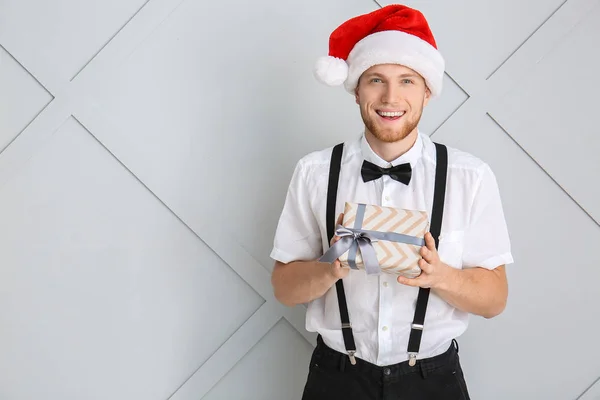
481,287
475,290
300,282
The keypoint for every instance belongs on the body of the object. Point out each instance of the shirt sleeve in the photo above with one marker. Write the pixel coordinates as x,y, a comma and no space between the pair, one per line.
297,237
487,243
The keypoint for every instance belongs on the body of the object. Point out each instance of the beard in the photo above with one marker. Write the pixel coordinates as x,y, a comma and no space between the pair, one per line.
391,134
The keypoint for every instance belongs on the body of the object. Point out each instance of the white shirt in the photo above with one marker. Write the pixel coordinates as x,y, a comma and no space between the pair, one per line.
473,233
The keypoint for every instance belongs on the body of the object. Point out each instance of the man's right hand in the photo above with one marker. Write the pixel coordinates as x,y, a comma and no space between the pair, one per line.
299,282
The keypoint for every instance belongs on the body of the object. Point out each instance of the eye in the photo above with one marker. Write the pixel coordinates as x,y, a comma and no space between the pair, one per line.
407,81
376,80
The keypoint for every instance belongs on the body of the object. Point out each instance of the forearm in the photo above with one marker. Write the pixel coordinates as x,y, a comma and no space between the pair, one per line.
475,290
301,281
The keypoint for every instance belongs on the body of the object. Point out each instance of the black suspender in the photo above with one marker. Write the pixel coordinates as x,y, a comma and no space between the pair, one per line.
334,177
416,332
437,212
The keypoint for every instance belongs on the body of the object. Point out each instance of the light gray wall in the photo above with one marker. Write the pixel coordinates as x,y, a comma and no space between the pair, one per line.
146,147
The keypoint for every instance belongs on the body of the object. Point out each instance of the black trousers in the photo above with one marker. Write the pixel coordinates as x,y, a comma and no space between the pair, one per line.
332,377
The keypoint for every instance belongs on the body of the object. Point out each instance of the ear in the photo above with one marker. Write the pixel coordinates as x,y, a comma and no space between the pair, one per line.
356,98
427,96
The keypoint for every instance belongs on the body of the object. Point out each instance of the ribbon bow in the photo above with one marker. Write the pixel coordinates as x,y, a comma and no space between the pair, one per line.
360,239
351,240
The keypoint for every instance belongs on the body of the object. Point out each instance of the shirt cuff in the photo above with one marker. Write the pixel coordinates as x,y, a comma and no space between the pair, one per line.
495,261
282,256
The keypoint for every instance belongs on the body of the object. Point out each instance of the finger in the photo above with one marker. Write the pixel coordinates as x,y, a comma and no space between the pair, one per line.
429,241
426,254
339,222
338,271
425,266
414,282
338,264
333,240
432,253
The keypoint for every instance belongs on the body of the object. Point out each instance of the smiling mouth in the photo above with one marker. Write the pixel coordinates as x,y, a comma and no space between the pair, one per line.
391,115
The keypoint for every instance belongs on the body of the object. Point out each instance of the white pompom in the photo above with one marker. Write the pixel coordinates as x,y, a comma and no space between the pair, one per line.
331,71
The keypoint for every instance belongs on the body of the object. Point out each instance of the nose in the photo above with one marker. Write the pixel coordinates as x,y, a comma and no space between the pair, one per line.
391,94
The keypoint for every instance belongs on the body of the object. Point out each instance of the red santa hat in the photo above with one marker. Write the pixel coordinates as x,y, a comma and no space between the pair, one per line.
394,34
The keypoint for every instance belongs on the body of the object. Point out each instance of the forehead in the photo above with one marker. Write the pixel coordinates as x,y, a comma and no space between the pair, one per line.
390,70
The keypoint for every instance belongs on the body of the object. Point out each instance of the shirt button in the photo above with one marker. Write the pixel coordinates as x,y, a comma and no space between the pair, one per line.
385,328
385,284
386,371
387,198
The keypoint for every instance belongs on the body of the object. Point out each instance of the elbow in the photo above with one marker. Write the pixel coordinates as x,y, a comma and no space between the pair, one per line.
497,302
281,297
284,300
495,309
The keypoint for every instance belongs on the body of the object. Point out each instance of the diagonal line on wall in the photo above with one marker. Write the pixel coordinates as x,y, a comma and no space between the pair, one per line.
39,112
459,85
26,126
109,40
542,168
526,39
25,69
206,376
37,133
595,386
456,109
139,28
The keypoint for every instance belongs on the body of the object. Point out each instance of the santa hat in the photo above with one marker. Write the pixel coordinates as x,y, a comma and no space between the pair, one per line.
394,34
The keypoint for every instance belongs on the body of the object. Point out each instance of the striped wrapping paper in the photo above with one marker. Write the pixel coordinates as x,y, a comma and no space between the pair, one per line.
394,258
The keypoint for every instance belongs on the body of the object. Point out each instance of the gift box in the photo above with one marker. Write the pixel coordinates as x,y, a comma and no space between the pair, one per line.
382,239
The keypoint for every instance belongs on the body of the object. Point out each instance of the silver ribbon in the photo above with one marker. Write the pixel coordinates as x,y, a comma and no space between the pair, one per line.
360,239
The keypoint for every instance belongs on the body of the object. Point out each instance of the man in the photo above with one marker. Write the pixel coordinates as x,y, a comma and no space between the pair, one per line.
389,61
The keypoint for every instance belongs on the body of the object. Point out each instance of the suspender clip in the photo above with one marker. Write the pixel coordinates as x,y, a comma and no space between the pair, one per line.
351,356
412,359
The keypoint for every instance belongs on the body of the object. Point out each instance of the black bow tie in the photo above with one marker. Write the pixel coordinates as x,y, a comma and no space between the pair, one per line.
401,173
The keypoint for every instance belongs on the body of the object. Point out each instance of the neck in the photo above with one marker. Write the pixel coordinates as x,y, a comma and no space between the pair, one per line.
389,151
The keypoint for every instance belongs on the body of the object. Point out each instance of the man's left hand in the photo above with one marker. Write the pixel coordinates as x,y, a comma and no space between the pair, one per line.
434,273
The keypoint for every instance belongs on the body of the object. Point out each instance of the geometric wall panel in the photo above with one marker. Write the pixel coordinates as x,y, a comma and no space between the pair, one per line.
100,281
481,34
553,291
276,368
58,38
179,106
552,114
21,98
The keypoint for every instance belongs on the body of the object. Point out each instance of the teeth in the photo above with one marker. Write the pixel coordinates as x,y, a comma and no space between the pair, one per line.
390,113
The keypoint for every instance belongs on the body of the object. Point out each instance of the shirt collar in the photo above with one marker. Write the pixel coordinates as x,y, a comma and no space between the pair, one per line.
412,156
